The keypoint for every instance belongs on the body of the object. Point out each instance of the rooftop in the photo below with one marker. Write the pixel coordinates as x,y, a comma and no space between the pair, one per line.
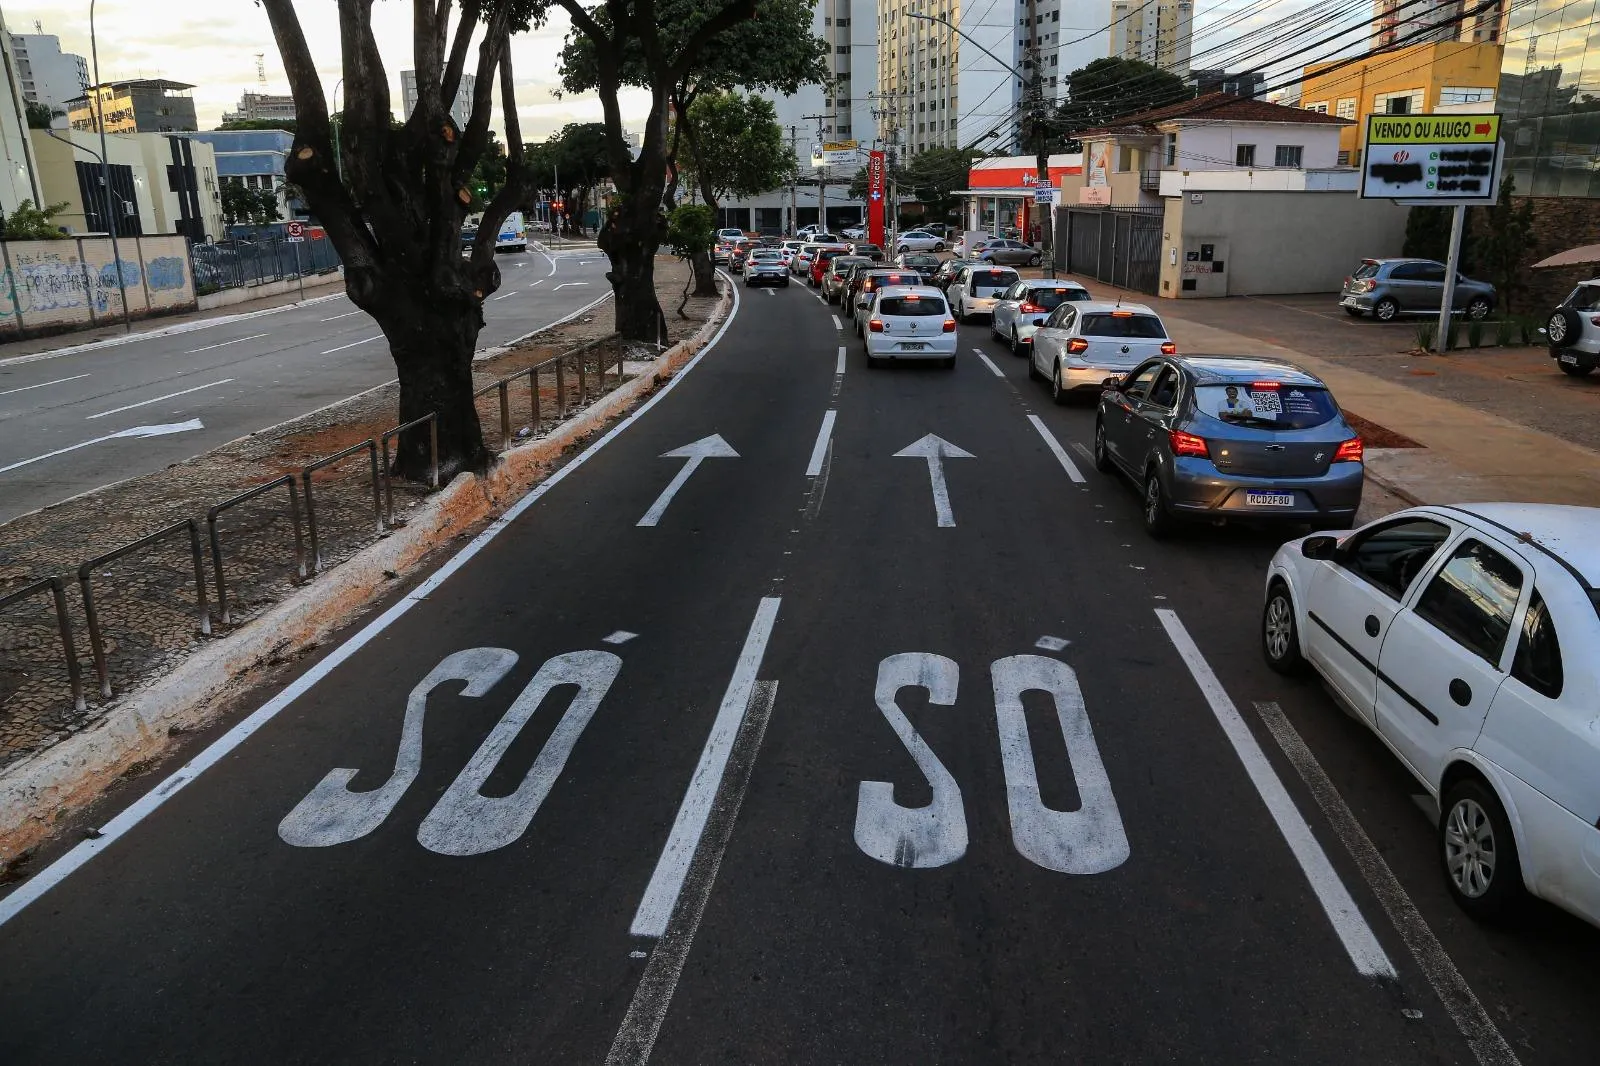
1217,107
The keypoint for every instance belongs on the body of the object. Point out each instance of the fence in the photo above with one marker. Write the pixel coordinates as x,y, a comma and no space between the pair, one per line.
55,286
1116,245
255,261
552,385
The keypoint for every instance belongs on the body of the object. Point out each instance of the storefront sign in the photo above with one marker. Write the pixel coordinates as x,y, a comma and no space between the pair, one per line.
1439,159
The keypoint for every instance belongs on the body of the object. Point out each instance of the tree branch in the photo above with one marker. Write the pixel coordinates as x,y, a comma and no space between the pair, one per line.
496,34
518,176
451,80
734,13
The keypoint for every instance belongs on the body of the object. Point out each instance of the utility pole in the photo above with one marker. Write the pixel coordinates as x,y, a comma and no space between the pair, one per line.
794,180
1041,143
822,178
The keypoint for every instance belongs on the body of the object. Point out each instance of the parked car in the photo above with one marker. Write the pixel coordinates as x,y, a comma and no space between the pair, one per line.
864,286
820,260
938,229
918,240
1011,253
973,292
963,250
1463,636
854,233
925,263
910,323
837,272
1080,344
1573,330
867,249
1222,438
765,267
1389,288
1021,309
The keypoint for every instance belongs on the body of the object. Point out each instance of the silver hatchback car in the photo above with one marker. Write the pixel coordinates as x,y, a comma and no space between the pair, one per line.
1220,438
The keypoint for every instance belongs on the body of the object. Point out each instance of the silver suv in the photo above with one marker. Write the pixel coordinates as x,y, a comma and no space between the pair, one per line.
1573,330
1389,288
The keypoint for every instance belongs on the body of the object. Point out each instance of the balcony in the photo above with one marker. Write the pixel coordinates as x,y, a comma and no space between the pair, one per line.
1149,181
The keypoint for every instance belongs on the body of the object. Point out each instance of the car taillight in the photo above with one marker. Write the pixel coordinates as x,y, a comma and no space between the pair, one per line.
1031,309
1188,444
1077,344
1169,348
1594,320
875,325
1351,451
949,325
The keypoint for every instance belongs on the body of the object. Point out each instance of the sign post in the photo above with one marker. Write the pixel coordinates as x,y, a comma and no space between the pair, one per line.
876,187
297,233
1044,199
1435,161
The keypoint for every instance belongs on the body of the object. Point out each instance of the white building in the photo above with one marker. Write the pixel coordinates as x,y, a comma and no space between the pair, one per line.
460,109
1153,31
46,74
262,107
19,171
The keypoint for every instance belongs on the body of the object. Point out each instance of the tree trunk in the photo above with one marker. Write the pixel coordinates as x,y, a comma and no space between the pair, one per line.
432,339
705,274
629,236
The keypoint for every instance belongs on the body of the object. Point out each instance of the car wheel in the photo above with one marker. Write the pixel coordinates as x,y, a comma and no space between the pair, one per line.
939,247
1102,457
1033,261
1564,327
1478,852
1479,309
1057,393
1386,310
902,250
1033,371
1157,519
1280,643
1354,312
1016,345
959,313
1579,370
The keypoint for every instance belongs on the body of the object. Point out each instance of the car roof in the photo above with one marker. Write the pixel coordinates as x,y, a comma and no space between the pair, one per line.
1056,283
1104,306
1562,530
1219,369
905,290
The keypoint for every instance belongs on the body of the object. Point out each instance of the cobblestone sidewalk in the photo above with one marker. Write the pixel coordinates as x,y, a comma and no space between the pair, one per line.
147,603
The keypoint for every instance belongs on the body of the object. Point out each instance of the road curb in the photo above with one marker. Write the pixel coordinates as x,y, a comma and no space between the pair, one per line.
39,792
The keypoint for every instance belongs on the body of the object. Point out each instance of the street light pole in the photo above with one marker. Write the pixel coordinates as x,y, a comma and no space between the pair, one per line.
105,173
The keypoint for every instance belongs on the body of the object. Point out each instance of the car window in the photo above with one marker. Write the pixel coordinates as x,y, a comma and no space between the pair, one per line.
1139,383
1538,661
1404,272
1430,272
917,306
1049,299
1585,298
988,282
1123,324
1366,270
1392,555
1165,391
1267,404
1472,598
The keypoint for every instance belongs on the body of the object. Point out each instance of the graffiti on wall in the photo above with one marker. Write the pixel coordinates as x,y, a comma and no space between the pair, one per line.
62,283
165,272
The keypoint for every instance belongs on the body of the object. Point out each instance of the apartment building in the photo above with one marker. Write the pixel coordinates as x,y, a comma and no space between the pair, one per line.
262,107
46,74
1154,31
1405,22
141,105
460,108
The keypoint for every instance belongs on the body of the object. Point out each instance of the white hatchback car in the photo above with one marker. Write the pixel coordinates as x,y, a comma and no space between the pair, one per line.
918,240
1082,344
1023,308
976,289
910,322
1464,637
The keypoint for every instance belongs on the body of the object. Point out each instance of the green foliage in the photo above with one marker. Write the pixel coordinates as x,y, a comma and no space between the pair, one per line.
691,230
1426,331
1474,334
738,147
1428,233
39,116
30,223
248,207
1505,331
488,174
1499,250
932,175
287,124
1113,87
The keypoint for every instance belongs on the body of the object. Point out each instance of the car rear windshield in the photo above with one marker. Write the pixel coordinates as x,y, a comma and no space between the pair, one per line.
1111,324
1050,299
841,264
1368,269
911,307
883,281
1267,405
985,282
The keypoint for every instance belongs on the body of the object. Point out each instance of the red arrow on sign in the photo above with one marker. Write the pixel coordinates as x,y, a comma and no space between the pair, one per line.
1482,127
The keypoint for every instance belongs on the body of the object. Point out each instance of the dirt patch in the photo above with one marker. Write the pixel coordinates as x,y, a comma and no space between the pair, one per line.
1376,436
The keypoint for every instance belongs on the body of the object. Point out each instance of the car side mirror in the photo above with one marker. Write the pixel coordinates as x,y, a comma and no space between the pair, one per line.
1323,547
1112,383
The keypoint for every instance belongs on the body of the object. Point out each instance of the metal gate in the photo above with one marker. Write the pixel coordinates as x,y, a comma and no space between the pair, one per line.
1117,245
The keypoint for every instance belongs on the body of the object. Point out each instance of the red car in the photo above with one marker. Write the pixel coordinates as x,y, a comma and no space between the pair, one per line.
820,261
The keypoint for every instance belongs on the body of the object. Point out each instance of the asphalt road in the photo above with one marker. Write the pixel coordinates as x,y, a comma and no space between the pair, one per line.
821,780
72,423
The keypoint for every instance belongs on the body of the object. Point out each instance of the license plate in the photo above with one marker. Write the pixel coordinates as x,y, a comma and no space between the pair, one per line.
1269,499
912,346
1569,359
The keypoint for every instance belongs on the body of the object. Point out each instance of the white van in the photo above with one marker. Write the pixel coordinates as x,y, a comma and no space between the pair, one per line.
513,234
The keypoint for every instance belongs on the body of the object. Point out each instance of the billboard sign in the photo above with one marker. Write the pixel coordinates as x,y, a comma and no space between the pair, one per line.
835,154
877,187
1433,159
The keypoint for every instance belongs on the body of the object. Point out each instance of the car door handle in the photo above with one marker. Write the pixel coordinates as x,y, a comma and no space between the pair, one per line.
1372,625
1460,691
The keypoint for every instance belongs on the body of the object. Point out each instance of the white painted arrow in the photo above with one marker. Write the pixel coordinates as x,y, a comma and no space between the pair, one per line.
136,431
936,450
712,447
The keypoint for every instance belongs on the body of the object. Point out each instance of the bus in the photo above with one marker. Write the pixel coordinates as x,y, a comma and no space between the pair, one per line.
513,234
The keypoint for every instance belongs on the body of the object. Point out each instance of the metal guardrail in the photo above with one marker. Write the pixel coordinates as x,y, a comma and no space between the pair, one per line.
216,539
559,362
432,418
63,628
86,574
371,446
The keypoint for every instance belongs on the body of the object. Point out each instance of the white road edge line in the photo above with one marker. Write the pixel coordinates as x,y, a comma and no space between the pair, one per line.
666,883
224,344
158,399
1357,936
636,1037
838,367
352,344
63,381
819,450
58,871
1056,449
1488,1046
988,362
347,314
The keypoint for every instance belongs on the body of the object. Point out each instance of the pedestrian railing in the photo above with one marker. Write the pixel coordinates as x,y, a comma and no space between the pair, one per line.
216,539
432,418
370,446
558,365
63,628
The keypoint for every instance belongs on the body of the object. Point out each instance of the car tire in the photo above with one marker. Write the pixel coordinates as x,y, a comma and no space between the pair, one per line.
1157,519
1057,393
1280,637
1473,827
1102,457
1016,345
902,250
939,247
959,314
1033,371
1386,310
1354,312
1478,309
1033,261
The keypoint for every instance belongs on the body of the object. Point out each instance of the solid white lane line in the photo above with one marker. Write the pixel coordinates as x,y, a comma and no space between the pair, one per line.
224,344
158,399
568,284
838,367
837,324
988,362
636,1036
819,450
62,381
1055,449
1357,936
347,314
661,895
1488,1046
136,812
342,347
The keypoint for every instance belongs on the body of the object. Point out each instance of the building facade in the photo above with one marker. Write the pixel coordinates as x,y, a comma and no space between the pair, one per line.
1157,32
254,159
46,74
1407,22
142,105
160,183
460,108
1550,97
262,107
19,171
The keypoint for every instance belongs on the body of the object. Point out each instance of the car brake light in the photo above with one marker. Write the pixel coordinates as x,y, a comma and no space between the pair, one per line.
1077,344
1122,314
1031,309
1595,320
875,325
913,298
1168,348
1189,444
1351,451
1265,386
949,325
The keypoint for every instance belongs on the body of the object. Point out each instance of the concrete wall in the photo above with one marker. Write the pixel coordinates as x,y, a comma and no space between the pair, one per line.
58,286
1212,146
1273,242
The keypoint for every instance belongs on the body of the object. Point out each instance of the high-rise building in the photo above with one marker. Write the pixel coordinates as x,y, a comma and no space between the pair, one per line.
142,105
1154,31
48,75
19,170
1406,22
460,107
262,107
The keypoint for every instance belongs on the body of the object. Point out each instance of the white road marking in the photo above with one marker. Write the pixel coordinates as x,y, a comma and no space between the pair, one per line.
539,282
1048,643
661,895
224,344
838,366
504,295
347,314
936,450
1085,452
1357,936
158,399
621,636
1056,450
642,1024
836,323
771,291
13,904
712,447
62,381
819,450
352,344
136,431
1488,1046
988,363
569,284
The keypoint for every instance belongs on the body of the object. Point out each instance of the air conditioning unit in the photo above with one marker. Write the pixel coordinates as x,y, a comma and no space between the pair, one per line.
128,208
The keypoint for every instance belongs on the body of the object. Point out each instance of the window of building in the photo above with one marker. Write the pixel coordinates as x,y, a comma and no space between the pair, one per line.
1172,149
1347,108
1463,95
1244,155
842,22
842,49
1344,159
1320,107
1288,155
1405,102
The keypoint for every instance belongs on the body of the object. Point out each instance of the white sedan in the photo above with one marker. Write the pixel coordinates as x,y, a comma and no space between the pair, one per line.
918,240
1022,309
1464,637
910,322
855,233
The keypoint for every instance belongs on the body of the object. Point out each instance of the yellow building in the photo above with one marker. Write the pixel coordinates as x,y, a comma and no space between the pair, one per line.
143,105
1421,79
